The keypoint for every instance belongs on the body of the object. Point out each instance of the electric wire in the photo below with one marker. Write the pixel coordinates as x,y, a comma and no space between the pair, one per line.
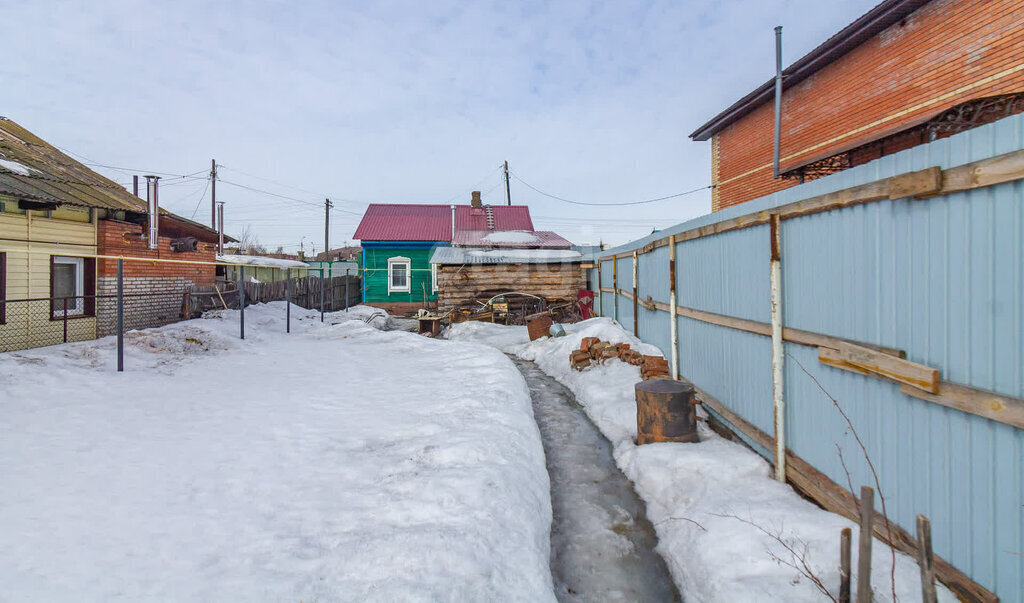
537,190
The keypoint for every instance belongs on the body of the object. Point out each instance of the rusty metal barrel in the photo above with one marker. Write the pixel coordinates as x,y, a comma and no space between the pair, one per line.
665,412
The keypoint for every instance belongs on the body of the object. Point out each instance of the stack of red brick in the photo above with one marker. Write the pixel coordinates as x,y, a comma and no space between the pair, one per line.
594,351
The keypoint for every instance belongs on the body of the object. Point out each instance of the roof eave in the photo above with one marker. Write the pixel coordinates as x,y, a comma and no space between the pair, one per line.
864,28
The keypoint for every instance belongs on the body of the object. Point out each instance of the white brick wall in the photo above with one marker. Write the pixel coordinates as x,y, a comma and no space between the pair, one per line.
160,305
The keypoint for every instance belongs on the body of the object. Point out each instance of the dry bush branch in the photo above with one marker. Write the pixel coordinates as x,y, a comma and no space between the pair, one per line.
797,549
871,466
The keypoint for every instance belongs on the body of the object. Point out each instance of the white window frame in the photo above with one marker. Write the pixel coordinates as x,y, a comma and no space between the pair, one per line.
433,278
408,274
79,302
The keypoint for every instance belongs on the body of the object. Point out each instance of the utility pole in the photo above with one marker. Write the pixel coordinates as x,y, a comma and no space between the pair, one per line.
327,228
508,195
213,197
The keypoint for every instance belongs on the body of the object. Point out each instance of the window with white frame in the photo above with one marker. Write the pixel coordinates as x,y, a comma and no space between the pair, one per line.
399,275
67,278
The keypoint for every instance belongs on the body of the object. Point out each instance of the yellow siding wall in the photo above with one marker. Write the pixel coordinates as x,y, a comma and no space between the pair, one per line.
28,324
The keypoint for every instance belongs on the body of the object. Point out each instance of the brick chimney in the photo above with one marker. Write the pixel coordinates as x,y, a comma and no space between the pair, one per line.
476,202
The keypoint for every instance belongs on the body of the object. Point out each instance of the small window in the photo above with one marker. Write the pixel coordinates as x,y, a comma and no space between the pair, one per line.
399,275
68,284
72,286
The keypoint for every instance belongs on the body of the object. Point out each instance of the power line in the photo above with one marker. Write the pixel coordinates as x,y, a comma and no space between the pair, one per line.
201,197
279,196
537,190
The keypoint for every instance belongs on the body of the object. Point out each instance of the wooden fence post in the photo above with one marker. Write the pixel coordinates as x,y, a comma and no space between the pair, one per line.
926,559
844,566
867,516
597,298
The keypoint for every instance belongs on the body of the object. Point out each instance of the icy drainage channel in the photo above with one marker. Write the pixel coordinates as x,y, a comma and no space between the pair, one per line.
602,545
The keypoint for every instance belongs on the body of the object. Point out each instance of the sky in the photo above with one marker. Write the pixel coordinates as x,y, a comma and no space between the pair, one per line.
400,102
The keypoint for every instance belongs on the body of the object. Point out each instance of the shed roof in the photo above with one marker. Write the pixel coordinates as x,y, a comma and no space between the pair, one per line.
259,260
405,222
866,27
543,239
476,255
505,217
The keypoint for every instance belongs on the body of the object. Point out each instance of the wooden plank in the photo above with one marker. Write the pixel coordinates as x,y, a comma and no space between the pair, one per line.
987,172
922,182
919,184
998,407
832,497
897,369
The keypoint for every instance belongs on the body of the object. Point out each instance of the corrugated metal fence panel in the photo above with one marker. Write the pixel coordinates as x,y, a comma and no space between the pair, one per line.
726,274
942,279
652,281
625,283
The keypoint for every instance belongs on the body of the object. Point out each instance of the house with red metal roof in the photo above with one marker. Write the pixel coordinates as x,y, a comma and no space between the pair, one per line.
399,240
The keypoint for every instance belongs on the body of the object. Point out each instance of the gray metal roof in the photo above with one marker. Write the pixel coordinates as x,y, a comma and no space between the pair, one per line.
476,255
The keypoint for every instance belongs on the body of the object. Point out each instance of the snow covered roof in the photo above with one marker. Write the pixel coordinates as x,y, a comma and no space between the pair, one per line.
510,238
258,260
475,255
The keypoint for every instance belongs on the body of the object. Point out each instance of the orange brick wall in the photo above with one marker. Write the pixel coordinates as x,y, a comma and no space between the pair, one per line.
945,53
123,239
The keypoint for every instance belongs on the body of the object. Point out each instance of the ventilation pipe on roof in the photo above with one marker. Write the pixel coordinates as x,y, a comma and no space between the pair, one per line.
453,225
476,203
778,100
153,203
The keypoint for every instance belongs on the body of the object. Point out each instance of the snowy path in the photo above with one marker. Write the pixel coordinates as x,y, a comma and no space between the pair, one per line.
602,546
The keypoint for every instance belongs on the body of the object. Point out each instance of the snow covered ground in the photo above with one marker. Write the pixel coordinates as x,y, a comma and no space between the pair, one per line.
714,504
339,462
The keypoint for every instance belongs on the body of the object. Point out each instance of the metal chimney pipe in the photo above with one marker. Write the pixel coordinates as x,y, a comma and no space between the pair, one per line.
778,100
153,198
220,228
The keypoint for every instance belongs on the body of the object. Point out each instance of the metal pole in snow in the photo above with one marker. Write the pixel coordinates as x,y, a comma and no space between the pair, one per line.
241,302
321,292
346,289
288,300
120,316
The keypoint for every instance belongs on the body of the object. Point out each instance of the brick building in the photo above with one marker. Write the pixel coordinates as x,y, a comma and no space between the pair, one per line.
163,283
905,73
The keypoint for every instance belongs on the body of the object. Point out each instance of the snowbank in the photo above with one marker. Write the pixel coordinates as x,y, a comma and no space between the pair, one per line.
339,462
714,504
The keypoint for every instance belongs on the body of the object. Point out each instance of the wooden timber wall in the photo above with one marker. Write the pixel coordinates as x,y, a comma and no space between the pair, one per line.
460,285
902,294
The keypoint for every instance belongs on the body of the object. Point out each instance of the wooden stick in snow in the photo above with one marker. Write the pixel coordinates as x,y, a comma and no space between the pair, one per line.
867,515
926,559
844,565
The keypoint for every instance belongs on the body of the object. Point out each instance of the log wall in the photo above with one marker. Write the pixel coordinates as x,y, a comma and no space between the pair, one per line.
460,285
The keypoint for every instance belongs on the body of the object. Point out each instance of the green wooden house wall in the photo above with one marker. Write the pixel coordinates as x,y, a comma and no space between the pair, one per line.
375,271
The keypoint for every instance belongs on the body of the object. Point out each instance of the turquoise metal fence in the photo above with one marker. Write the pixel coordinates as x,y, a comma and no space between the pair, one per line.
940,278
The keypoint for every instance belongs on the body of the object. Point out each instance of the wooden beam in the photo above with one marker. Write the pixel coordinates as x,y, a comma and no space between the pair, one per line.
920,183
863,359
832,497
987,172
990,405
